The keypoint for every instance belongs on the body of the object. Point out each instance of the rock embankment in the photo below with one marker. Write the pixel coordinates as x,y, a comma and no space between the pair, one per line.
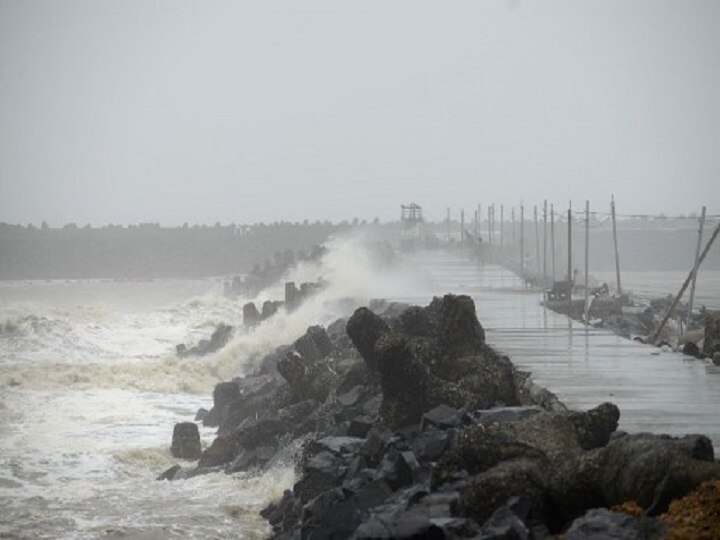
414,427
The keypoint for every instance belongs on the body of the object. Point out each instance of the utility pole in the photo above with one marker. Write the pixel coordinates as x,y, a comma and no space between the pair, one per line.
587,259
537,241
522,242
684,285
569,262
544,242
502,224
475,222
695,268
615,242
447,224
512,217
552,238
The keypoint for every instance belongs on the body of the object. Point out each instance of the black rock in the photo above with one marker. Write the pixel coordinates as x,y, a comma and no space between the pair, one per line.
201,414
251,315
359,426
602,524
596,425
364,329
350,398
186,441
170,473
442,416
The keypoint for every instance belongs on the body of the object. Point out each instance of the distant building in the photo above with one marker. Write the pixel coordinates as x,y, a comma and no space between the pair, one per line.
412,227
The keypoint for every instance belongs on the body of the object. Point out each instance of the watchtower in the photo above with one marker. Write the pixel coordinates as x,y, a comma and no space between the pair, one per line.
411,231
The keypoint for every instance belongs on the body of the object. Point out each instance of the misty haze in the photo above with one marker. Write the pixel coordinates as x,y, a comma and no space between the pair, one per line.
359,270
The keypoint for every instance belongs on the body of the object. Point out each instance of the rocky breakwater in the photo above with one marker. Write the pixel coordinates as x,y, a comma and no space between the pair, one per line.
414,427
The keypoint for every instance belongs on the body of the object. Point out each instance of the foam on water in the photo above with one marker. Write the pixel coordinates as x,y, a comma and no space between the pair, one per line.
91,389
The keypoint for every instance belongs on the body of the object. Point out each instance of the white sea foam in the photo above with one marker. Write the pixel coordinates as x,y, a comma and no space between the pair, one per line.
91,389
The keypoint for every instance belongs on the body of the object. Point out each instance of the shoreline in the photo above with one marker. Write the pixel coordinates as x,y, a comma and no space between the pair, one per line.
387,454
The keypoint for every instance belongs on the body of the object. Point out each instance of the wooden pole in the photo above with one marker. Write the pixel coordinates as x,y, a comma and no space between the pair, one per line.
492,221
695,266
502,224
537,241
544,242
685,285
447,224
587,260
569,261
615,242
552,239
475,223
489,224
512,217
522,242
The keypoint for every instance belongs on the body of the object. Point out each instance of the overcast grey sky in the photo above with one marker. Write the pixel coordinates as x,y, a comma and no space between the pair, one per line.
126,111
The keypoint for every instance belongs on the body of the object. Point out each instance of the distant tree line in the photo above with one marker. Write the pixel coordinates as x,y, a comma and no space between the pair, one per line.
148,250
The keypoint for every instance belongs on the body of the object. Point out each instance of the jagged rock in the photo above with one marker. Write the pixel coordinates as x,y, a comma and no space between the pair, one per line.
350,398
413,523
601,524
459,331
416,321
403,403
320,473
270,308
221,451
170,473
649,469
332,514
219,338
359,426
442,416
201,414
251,316
341,445
711,343
186,441
307,379
430,445
596,425
490,489
509,521
480,448
505,415
375,443
364,329
314,344
225,395
691,349
292,295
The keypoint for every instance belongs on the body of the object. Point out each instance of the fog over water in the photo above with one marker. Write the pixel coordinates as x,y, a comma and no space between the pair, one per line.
123,112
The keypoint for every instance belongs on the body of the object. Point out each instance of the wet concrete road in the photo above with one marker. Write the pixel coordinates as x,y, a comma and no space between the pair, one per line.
657,391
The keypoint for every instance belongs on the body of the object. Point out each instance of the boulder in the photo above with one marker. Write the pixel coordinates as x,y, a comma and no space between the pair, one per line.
186,441
517,477
270,308
649,469
359,426
225,396
596,425
711,344
601,524
459,331
314,344
251,316
364,329
169,474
